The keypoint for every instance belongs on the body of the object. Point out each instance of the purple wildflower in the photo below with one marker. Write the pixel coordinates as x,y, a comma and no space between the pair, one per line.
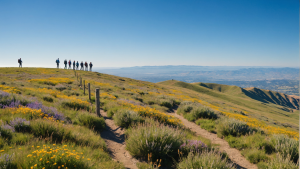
7,127
4,94
193,145
50,111
5,159
19,122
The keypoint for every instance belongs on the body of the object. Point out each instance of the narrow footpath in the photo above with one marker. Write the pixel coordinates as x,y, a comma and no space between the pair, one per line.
234,154
115,141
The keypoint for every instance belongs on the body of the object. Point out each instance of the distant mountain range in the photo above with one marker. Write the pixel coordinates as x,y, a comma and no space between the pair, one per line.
280,79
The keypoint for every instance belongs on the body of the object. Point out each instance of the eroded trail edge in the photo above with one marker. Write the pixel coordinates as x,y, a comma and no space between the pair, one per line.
115,141
234,154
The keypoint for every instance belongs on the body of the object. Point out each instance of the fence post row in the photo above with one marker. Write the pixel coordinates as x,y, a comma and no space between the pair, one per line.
89,90
97,101
83,87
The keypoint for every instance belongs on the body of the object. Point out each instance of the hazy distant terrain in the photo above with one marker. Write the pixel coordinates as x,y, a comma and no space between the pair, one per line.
285,80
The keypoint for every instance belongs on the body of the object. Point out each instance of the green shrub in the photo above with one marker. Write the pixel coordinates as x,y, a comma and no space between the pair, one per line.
59,132
255,156
229,126
75,105
161,141
207,124
286,146
144,165
6,131
236,142
125,118
91,121
207,160
20,139
186,107
48,99
281,162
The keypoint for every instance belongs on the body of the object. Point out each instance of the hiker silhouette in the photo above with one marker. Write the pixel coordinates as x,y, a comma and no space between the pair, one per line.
77,64
91,65
81,65
20,62
65,62
74,65
57,62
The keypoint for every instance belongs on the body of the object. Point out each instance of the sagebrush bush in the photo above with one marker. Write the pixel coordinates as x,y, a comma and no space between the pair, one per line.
48,99
20,124
207,124
229,126
280,162
195,146
286,146
6,131
161,141
200,112
206,159
91,121
125,118
58,132
255,156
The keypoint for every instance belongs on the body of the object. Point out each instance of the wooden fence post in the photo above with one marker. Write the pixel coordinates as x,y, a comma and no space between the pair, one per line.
89,90
97,101
80,82
83,87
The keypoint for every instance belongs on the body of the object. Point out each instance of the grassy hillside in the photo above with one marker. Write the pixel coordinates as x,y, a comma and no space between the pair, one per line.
47,121
244,100
265,96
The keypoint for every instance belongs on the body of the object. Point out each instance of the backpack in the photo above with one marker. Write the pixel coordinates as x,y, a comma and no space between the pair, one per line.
18,60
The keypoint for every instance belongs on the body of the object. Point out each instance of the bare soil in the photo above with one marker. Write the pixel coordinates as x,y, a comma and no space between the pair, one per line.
115,141
234,154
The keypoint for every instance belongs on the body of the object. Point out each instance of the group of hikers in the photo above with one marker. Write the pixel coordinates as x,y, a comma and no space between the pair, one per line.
76,65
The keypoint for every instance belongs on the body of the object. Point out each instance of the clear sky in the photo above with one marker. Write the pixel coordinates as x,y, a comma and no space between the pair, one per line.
123,33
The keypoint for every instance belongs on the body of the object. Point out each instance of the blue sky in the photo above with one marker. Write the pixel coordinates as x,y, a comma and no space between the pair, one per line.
127,33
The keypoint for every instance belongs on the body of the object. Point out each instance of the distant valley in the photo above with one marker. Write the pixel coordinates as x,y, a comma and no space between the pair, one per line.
283,80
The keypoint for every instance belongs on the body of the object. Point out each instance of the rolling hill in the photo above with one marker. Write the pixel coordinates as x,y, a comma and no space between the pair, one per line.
47,112
278,109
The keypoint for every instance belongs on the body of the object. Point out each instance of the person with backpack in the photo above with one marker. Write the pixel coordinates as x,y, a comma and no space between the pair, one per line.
65,62
20,62
86,66
57,62
81,65
77,64
69,64
91,65
74,65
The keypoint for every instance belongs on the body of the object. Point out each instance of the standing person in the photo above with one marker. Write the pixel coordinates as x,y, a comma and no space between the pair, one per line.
20,62
77,64
86,66
57,62
69,64
81,65
65,62
74,65
91,65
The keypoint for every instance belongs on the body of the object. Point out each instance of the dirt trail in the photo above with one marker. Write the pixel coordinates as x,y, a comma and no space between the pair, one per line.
115,141
234,154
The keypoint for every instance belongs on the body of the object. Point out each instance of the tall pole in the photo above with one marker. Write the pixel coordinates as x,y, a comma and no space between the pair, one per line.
97,102
89,88
83,87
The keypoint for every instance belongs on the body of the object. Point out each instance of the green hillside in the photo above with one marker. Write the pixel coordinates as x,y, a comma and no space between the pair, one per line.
47,120
262,95
253,102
